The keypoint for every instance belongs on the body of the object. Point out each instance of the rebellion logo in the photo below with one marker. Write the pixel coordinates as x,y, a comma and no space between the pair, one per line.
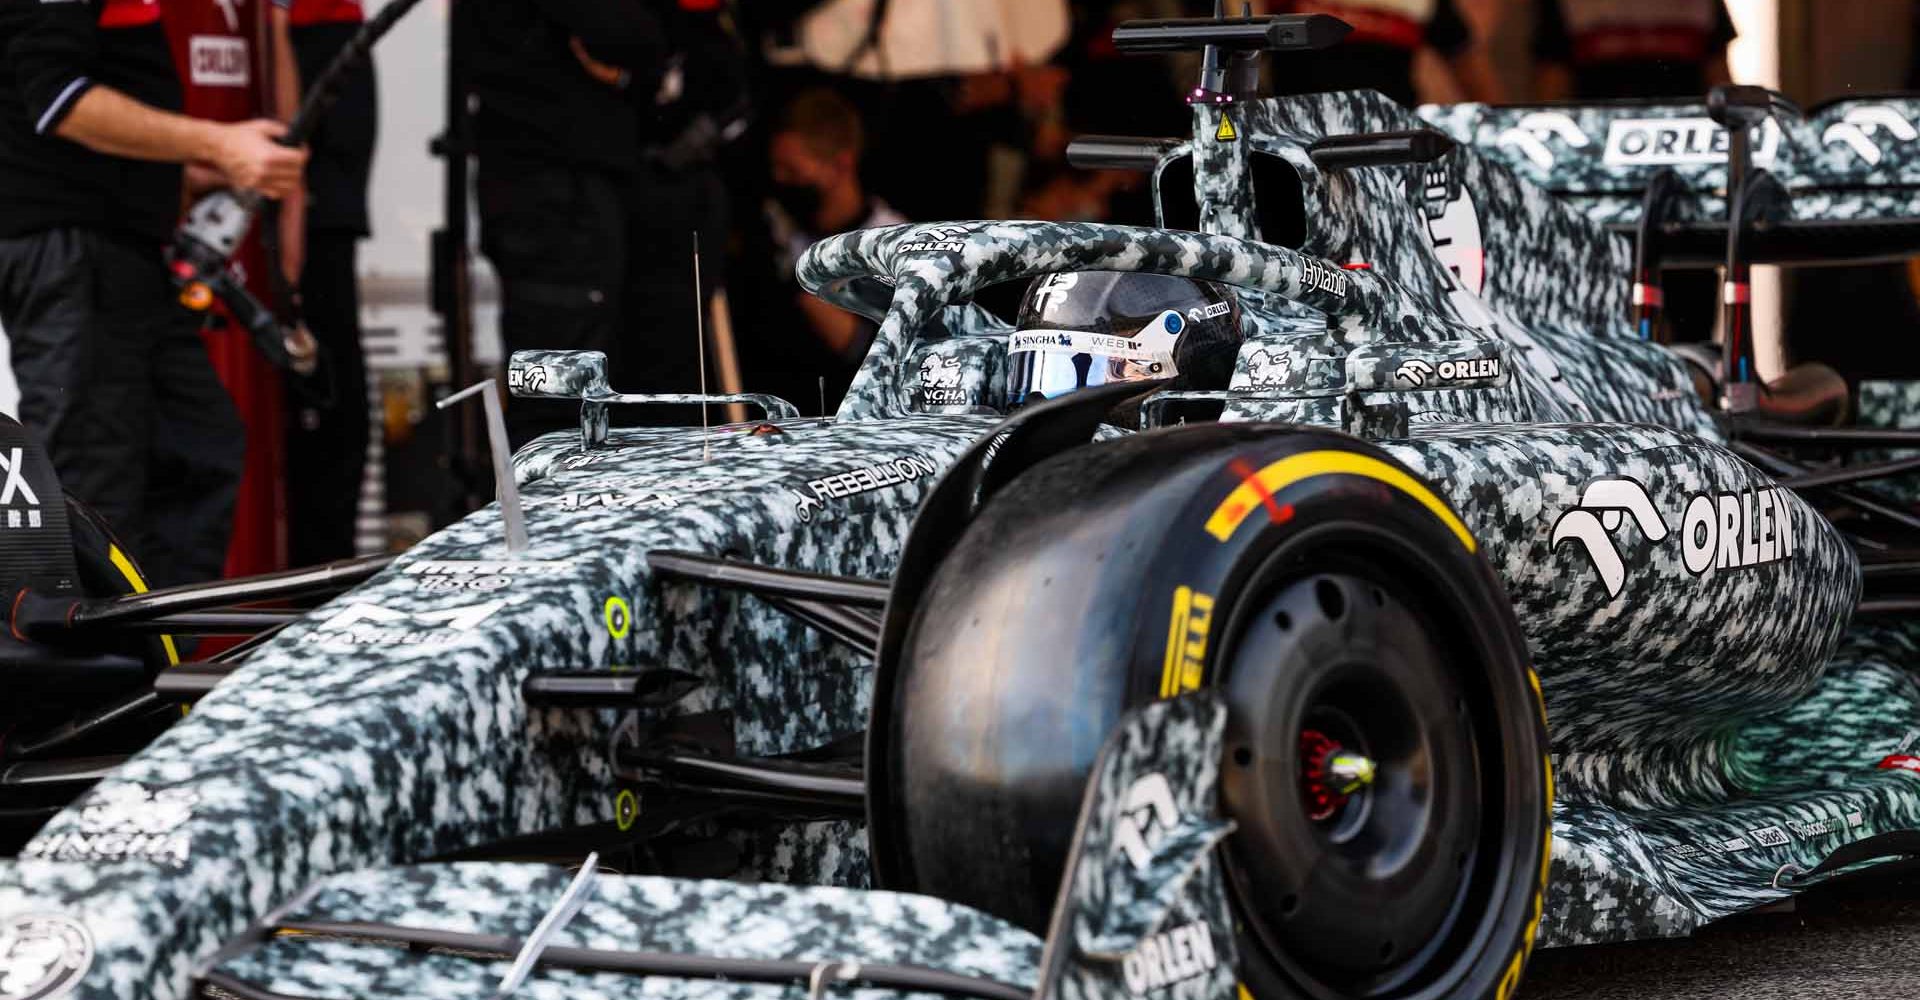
372,625
862,480
1719,531
1673,141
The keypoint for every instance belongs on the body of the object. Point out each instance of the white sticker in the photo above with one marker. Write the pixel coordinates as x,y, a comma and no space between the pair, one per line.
42,956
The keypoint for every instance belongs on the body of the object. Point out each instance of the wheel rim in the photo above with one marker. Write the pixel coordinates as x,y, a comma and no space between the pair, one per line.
1366,891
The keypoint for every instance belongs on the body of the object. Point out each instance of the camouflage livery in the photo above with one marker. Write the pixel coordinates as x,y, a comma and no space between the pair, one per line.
1688,617
1857,158
1171,748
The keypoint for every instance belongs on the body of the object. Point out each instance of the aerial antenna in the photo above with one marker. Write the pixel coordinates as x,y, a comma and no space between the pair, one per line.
508,491
700,335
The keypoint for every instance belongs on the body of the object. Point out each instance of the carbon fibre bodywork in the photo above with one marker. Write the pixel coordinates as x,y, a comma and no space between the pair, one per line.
1713,717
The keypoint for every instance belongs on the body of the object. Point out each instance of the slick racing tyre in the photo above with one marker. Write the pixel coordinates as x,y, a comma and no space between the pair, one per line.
1385,761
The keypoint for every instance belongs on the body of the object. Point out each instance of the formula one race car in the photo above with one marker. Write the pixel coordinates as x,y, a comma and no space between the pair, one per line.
1457,622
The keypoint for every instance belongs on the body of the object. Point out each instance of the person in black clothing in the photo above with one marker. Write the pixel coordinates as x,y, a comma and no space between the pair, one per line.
1586,50
557,149
327,447
677,190
1378,55
114,379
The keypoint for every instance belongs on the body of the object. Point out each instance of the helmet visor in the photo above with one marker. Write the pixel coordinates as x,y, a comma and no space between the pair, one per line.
1051,363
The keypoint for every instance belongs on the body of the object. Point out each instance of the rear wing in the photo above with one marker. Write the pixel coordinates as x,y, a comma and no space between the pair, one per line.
1852,168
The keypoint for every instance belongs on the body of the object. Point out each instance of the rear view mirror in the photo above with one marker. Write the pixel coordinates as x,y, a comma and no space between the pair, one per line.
557,374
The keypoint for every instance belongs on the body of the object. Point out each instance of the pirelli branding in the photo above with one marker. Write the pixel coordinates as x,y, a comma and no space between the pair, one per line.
1186,642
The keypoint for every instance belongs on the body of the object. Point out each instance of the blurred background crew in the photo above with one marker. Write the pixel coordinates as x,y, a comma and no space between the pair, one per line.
1676,49
114,379
1587,49
327,446
1379,54
684,126
815,153
236,62
557,149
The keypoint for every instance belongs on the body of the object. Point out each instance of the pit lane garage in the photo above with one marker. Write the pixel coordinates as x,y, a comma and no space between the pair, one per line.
1454,619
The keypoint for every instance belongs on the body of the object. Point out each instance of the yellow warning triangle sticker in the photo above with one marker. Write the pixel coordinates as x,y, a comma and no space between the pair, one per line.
1225,132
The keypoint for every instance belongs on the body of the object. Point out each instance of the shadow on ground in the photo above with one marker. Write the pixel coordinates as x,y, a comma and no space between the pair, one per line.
1858,939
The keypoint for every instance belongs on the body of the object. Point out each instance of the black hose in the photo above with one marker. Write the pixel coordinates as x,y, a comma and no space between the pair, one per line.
324,89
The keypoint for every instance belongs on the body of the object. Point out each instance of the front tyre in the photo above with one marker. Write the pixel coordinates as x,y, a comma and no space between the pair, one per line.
1386,751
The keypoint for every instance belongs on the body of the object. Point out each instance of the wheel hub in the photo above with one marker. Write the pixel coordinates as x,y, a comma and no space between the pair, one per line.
1330,774
1353,778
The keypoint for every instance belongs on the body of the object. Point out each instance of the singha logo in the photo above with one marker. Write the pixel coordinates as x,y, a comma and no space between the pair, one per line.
1593,522
1145,814
1857,127
1267,369
939,372
528,379
133,809
1529,135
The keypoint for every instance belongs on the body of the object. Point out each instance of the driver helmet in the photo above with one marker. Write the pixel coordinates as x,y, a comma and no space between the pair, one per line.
1090,328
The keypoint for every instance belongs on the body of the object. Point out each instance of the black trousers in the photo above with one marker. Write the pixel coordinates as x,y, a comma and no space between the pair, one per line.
557,238
116,383
659,307
327,448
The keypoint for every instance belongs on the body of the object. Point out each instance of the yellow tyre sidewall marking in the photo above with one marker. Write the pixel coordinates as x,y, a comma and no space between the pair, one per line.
132,576
1249,496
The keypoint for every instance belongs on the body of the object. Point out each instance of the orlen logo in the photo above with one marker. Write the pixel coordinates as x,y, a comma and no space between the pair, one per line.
1599,514
1673,141
1529,135
218,61
1719,531
936,238
1857,127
